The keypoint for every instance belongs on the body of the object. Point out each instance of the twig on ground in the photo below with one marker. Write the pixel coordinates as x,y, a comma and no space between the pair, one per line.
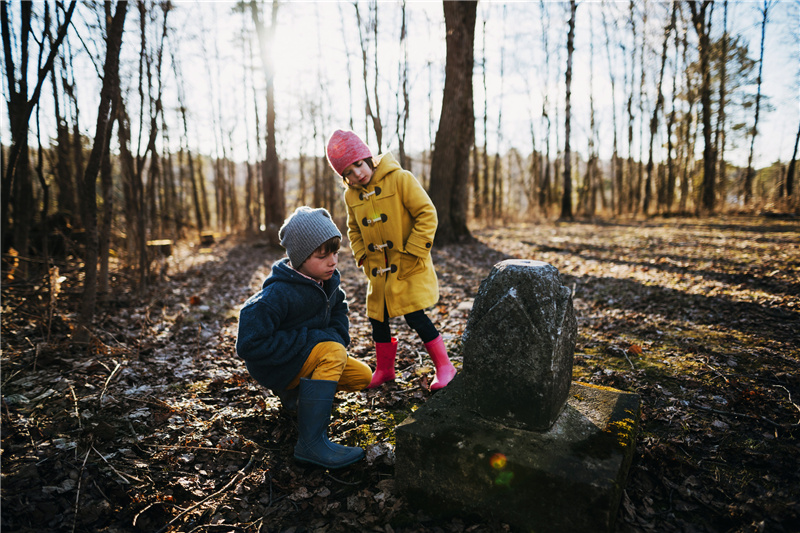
78,491
625,353
743,415
75,399
216,526
200,448
235,478
123,477
108,380
790,398
717,372
341,481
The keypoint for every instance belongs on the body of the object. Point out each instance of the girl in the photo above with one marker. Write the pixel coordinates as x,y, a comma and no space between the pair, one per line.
391,222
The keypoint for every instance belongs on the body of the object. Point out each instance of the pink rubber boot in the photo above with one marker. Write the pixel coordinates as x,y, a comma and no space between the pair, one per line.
445,371
385,353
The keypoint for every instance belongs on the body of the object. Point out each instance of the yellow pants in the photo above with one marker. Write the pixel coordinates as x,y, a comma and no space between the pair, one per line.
329,361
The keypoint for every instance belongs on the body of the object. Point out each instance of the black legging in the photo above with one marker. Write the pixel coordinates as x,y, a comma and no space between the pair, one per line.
418,321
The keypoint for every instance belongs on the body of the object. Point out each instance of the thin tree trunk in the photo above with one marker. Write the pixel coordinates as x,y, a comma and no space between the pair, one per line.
88,183
719,140
659,103
274,201
104,233
616,169
749,175
485,196
790,172
16,187
402,117
666,201
702,26
371,115
545,190
566,199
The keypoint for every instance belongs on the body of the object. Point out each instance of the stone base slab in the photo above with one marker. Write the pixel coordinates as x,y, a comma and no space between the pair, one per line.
451,462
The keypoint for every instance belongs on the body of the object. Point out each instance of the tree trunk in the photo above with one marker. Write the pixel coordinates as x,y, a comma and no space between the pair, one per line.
104,231
88,183
659,103
703,27
749,175
668,194
719,140
484,200
274,201
566,199
545,191
16,189
790,172
450,163
371,115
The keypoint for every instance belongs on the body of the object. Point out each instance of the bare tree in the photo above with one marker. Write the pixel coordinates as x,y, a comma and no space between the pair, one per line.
89,180
587,199
497,174
628,193
657,108
402,116
17,187
719,138
686,140
616,166
667,194
566,199
450,163
274,194
372,115
748,177
701,19
790,172
545,190
484,197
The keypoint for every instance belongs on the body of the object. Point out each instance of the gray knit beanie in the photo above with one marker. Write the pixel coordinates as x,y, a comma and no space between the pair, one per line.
304,231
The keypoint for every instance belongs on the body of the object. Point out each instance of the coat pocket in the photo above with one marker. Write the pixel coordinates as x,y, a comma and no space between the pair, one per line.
410,265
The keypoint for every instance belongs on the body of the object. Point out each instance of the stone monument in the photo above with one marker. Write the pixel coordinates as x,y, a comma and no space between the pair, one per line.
512,438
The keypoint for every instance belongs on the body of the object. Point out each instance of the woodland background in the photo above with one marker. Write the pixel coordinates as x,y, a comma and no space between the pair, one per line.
142,139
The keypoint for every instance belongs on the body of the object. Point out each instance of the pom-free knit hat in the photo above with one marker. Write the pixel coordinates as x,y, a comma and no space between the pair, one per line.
304,231
344,149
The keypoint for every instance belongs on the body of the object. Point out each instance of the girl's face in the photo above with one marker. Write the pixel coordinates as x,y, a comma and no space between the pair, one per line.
358,174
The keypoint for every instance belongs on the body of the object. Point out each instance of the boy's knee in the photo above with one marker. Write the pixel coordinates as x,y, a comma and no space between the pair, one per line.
333,353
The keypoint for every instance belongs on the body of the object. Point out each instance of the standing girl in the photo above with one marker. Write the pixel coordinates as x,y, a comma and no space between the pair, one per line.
391,222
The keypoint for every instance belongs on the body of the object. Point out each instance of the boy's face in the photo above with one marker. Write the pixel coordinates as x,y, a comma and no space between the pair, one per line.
320,265
358,174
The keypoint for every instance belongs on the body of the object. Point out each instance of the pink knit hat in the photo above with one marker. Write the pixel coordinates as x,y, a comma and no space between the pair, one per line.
344,149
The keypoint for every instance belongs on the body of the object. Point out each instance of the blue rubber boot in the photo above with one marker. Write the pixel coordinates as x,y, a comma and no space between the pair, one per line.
313,417
288,398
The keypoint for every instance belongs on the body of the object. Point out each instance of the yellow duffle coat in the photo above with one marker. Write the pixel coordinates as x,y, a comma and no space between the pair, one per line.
391,224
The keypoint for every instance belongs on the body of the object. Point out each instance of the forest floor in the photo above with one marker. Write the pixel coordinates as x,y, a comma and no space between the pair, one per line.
155,426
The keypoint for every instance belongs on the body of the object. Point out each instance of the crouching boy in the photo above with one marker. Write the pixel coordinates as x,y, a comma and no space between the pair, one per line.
293,335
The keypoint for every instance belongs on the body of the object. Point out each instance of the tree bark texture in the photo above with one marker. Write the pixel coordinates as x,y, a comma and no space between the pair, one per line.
703,28
455,136
566,199
88,185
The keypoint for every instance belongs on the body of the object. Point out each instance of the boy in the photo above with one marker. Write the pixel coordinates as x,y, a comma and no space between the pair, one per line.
293,333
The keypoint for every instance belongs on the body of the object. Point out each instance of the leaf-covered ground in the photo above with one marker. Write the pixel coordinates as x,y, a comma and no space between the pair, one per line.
156,426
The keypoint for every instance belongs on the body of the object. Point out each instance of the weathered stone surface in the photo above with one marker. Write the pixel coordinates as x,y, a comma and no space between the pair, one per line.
453,462
511,438
519,345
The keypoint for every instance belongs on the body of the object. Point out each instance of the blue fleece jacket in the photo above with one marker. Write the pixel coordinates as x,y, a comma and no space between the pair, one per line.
281,324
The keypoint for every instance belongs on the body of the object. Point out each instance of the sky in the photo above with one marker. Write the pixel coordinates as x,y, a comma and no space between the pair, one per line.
315,38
